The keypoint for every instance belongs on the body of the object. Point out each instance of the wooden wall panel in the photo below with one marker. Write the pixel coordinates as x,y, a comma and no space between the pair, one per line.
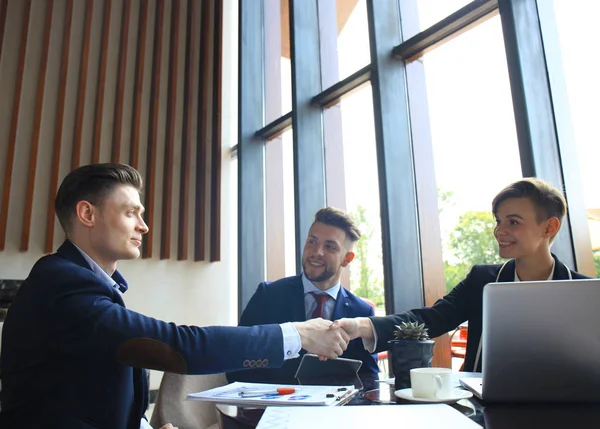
62,90
186,139
138,85
167,200
202,140
153,128
121,68
37,126
3,10
14,122
83,73
97,139
101,48
215,189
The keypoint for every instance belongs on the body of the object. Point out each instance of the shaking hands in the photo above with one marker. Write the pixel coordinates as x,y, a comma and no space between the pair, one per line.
330,339
319,337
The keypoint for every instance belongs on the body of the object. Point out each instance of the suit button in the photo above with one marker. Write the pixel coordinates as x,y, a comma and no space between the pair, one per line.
252,363
265,362
246,363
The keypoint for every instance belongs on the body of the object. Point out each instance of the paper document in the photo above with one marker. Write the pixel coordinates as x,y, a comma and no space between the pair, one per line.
261,394
433,416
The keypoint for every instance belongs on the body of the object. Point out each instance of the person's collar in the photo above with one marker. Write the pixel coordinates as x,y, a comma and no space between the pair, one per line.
116,280
550,277
310,287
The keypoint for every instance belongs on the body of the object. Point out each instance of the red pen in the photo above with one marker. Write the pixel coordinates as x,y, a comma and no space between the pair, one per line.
278,391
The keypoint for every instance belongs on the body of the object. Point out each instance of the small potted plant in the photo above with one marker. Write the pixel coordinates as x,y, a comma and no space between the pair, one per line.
410,349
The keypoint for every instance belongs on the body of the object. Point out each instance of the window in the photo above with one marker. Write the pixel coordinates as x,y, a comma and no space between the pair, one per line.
578,35
473,139
280,213
356,162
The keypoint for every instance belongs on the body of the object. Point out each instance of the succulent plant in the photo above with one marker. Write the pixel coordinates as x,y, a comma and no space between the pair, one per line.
411,331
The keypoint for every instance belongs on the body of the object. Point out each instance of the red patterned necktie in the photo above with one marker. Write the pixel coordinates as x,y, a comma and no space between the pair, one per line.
321,299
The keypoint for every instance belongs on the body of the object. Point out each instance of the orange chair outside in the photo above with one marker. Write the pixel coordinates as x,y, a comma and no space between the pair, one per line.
458,341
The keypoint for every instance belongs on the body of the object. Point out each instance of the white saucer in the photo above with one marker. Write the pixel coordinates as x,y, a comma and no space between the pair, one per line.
457,394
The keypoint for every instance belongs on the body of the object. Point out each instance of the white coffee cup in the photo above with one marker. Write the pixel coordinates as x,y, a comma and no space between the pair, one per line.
431,383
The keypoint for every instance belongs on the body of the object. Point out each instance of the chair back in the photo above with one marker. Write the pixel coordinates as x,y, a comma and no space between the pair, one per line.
171,406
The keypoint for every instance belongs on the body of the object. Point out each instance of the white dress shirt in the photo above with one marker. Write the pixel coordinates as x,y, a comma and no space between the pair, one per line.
310,302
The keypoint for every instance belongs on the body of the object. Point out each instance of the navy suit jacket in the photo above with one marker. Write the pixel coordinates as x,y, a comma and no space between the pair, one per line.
72,353
464,302
283,301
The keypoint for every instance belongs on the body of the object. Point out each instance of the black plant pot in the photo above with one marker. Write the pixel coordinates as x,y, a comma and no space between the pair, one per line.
405,355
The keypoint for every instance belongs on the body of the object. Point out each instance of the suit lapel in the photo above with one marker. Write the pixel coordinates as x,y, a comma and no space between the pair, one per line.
508,272
561,271
342,305
295,299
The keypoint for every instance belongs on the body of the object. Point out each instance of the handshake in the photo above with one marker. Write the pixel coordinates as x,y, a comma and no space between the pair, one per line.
330,339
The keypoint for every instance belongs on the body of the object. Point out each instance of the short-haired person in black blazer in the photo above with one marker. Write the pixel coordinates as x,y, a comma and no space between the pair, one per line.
327,251
73,356
528,215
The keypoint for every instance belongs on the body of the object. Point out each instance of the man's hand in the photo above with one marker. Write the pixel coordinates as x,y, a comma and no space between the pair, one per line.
355,327
317,337
169,426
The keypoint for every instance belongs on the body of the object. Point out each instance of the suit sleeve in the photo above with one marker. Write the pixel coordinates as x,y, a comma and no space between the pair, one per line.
356,350
86,320
446,314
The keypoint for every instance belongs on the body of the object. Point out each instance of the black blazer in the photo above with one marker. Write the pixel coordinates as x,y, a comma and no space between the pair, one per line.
283,301
72,354
463,303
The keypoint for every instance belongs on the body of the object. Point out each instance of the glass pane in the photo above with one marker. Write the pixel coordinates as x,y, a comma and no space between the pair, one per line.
280,214
468,120
579,36
473,138
278,75
233,231
426,13
351,153
353,38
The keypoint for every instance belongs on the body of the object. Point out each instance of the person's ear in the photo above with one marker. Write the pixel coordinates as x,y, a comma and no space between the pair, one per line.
348,258
552,227
85,213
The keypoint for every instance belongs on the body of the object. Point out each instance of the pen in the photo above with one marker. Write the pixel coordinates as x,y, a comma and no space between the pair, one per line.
345,397
278,391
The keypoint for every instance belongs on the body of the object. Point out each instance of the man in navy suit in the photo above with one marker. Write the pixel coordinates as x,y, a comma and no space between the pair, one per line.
73,356
316,292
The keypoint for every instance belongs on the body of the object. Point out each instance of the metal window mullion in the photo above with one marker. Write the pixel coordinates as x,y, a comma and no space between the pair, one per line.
532,104
307,119
250,151
403,278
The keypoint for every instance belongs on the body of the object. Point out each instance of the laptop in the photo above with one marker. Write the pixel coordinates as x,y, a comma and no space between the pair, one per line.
540,342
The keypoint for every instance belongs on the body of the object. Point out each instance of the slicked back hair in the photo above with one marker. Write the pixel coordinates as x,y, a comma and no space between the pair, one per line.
340,219
92,183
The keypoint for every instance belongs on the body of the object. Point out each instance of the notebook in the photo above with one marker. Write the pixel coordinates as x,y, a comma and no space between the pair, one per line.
540,342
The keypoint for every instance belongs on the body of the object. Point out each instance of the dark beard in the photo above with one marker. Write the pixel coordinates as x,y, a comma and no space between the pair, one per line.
327,274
